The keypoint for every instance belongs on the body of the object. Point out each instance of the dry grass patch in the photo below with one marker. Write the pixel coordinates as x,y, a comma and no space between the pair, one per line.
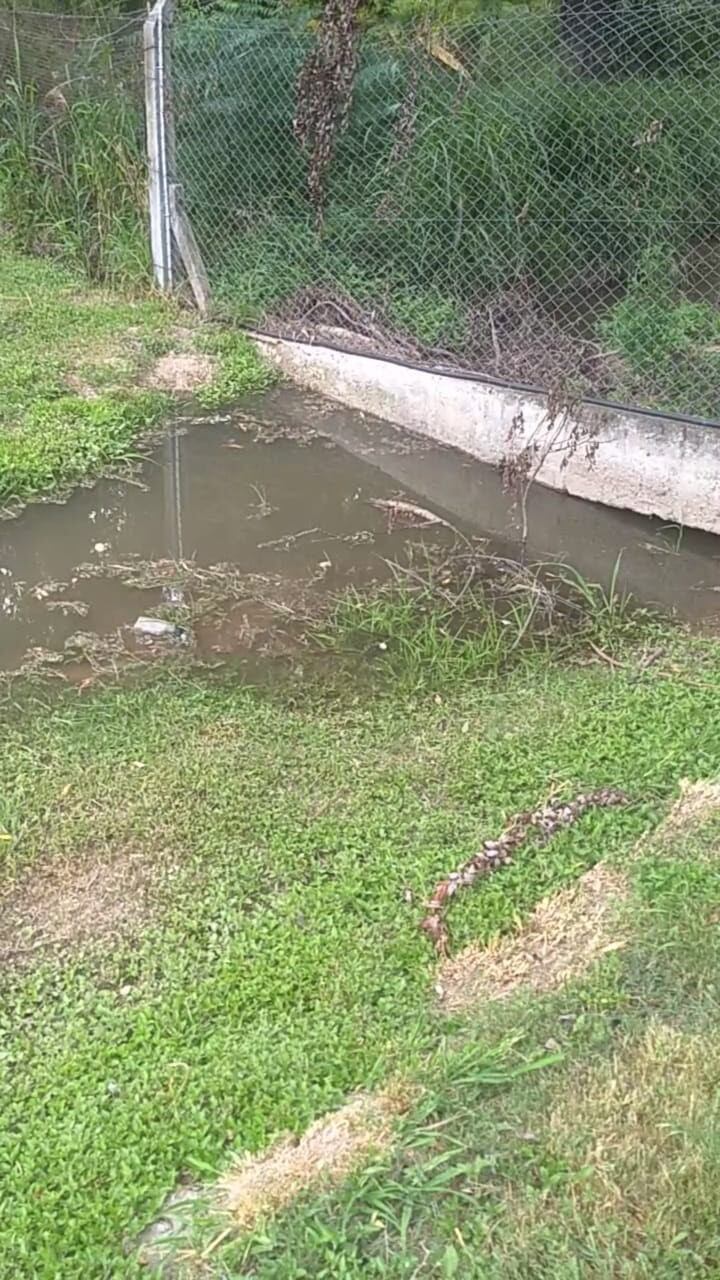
67,905
257,1186
566,933
570,930
642,1134
181,372
696,803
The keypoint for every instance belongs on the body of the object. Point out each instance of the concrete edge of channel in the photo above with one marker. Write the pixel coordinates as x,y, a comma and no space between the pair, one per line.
653,465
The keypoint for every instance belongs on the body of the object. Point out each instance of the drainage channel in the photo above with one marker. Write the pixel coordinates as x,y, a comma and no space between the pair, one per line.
283,492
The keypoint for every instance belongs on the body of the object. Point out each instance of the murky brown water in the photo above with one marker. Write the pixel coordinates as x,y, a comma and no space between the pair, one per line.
290,498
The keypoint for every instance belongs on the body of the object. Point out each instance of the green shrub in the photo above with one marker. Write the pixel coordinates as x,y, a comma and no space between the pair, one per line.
516,173
670,345
240,369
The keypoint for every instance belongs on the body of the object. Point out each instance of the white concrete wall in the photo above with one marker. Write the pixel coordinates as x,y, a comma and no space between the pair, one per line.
646,464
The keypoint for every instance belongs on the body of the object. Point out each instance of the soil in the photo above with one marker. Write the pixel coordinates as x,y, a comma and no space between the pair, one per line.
181,372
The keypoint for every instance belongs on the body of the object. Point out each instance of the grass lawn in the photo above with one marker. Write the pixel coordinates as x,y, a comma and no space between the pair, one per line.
573,1135
76,374
257,861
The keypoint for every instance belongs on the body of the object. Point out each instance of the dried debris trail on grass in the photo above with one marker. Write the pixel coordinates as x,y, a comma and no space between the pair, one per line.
326,1153
547,820
564,936
568,931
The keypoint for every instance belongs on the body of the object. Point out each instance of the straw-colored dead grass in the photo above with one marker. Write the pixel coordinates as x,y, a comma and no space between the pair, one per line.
570,930
566,933
79,901
257,1186
695,804
181,372
640,1136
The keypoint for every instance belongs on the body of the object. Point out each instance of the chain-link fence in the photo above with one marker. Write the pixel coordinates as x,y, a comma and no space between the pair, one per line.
72,151
534,195
69,53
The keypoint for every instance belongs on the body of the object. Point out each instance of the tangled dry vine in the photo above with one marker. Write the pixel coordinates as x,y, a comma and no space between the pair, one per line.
324,92
493,854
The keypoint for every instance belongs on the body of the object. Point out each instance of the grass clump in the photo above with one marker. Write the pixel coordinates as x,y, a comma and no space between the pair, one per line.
63,442
70,365
241,371
460,616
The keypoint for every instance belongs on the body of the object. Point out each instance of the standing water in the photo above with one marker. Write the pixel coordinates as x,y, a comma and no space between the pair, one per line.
284,492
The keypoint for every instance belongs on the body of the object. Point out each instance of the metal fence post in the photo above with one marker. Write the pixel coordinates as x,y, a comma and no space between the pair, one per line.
159,141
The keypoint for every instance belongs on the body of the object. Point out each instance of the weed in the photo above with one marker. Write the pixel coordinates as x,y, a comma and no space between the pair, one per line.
241,372
513,179
415,640
73,180
465,616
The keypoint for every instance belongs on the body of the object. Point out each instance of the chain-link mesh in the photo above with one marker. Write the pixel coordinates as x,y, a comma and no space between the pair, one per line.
534,195
72,151
66,53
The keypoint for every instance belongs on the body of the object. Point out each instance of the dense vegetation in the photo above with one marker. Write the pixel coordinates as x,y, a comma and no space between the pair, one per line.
492,194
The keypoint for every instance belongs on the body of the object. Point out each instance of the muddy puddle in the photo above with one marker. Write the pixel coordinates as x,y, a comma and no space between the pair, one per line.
273,501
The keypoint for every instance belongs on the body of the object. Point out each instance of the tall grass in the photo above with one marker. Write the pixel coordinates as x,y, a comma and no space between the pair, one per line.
467,616
504,172
519,169
517,175
72,179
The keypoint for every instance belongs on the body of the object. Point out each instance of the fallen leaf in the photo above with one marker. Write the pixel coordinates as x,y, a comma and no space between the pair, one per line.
444,55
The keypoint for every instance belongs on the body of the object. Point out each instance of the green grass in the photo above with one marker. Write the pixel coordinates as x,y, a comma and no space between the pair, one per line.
240,370
60,342
426,627
73,361
603,1163
291,834
72,166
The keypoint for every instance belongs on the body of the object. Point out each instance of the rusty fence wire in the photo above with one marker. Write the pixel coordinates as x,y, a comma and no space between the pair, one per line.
533,195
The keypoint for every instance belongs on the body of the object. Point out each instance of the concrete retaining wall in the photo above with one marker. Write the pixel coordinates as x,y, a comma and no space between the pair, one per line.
646,464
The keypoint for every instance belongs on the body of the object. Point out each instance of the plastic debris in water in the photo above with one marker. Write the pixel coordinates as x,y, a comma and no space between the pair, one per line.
158,628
